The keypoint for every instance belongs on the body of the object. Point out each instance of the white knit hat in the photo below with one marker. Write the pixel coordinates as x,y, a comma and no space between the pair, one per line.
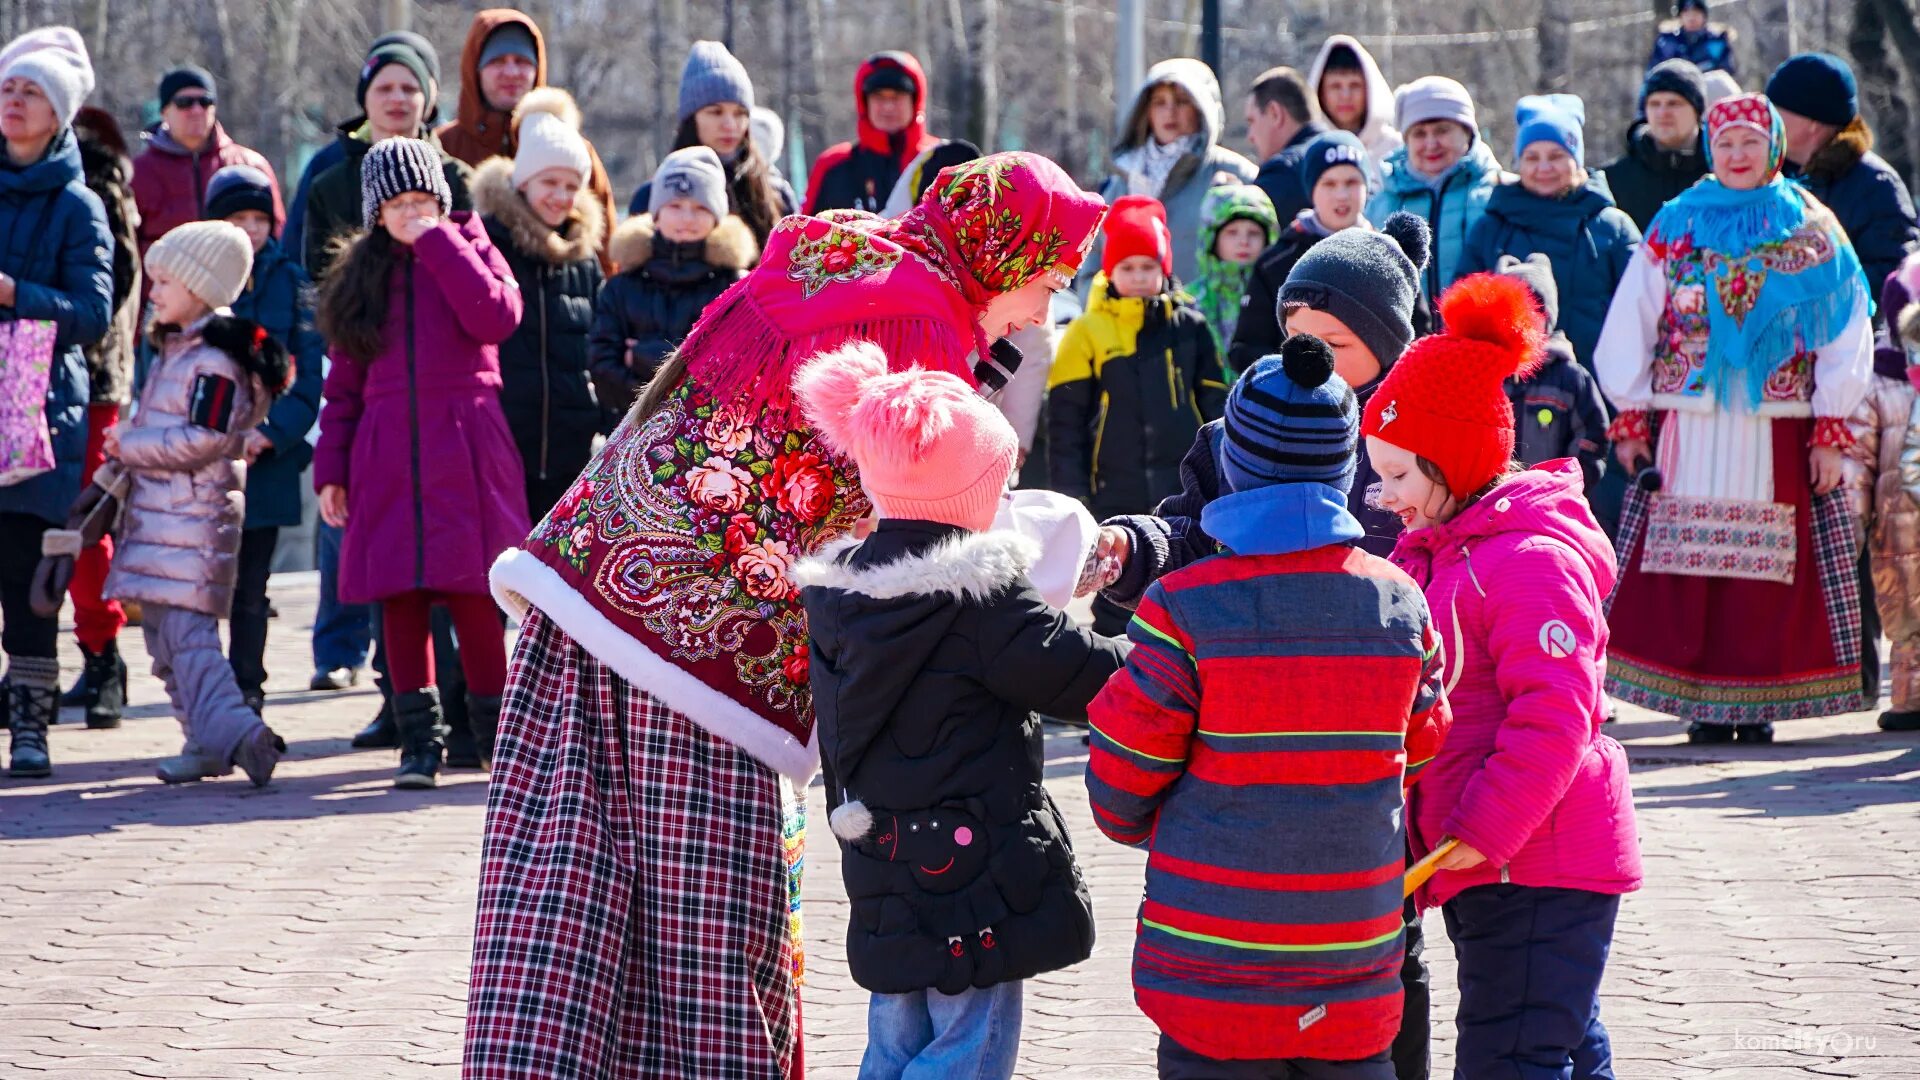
54,58
548,125
210,259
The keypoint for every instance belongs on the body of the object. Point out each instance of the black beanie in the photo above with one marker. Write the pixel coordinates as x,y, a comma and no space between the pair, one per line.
415,42
1676,76
1368,280
404,54
236,188
185,77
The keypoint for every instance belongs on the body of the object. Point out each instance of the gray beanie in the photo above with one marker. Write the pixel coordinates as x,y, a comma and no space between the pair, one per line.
510,39
1434,97
1368,280
712,75
396,166
693,172
1536,271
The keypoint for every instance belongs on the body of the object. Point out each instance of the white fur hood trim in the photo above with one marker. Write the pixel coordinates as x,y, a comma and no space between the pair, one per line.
972,567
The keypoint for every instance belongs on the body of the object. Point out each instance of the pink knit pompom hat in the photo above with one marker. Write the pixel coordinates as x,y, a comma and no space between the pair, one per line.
928,447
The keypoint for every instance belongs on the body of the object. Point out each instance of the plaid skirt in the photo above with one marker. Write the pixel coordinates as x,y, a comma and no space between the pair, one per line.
635,889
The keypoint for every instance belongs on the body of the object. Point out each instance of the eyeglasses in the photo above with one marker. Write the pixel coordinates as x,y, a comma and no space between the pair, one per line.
197,101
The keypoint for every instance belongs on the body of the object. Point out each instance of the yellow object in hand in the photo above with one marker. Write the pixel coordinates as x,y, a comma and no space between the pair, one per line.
1419,872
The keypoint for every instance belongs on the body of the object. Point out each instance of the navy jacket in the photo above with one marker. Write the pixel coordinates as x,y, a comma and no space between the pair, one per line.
1279,175
1644,178
1710,48
1867,196
1587,238
57,249
279,298
1558,412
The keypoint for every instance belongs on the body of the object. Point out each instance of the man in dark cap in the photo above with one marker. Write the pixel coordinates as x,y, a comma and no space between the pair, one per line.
1664,155
170,177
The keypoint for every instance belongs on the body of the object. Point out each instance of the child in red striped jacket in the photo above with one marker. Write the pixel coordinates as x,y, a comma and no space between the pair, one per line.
1279,698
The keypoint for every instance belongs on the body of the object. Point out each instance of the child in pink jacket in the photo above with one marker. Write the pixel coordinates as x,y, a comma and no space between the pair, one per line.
1515,570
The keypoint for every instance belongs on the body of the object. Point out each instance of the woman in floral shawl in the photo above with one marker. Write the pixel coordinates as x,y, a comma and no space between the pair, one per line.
1736,347
638,884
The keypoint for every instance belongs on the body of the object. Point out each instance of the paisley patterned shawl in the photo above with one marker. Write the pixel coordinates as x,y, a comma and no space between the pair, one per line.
1782,277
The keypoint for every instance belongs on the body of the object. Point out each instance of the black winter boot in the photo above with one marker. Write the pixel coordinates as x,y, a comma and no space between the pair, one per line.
380,733
484,713
422,738
33,698
101,688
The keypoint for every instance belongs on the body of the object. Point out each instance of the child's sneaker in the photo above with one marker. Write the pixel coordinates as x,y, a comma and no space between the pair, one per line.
191,765
258,753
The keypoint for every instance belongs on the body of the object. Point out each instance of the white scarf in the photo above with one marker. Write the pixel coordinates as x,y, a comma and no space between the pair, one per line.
1148,165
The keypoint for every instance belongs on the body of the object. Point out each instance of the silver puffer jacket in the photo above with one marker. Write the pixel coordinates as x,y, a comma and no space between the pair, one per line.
181,542
1883,472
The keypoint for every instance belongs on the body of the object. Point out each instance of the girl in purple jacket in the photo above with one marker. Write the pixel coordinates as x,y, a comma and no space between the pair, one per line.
1515,570
415,461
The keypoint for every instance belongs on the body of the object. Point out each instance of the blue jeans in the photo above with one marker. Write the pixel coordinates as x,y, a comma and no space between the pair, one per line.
342,633
1530,961
928,1035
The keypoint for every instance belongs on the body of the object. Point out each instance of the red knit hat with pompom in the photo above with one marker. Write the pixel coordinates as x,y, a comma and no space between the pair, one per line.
1446,399
1137,225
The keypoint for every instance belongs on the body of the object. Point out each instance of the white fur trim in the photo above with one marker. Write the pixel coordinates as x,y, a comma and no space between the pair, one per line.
851,821
520,581
972,567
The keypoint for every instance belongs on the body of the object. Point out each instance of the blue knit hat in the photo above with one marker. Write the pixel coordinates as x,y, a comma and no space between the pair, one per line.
1554,118
711,76
1290,420
1326,151
1818,86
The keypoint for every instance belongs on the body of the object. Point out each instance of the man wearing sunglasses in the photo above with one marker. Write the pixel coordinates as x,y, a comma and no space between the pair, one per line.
183,152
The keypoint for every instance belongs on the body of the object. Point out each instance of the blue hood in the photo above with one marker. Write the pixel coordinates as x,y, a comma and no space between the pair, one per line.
1563,217
59,168
1280,519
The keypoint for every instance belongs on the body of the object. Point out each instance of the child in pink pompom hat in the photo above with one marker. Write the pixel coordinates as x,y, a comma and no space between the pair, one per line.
930,651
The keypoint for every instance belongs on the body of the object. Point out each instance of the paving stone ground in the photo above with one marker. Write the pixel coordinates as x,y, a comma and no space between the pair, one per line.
322,926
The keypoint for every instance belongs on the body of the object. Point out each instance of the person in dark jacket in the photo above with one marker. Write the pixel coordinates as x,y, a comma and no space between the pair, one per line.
102,687
929,649
542,214
1830,151
396,94
672,262
1558,411
1689,36
890,101
1280,124
279,298
716,111
1557,208
1664,156
56,265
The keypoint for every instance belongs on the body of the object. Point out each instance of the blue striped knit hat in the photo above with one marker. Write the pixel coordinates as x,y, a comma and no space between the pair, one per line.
1291,420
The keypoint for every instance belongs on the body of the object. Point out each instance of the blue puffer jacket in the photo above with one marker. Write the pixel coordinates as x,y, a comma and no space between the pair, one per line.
1451,209
1585,236
57,249
279,298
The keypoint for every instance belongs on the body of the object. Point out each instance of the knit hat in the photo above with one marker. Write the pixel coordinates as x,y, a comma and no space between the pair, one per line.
1720,86
236,188
421,47
54,58
1536,271
1683,5
407,56
1433,97
548,126
210,259
691,172
396,166
1326,151
769,133
1554,118
1446,400
185,77
1290,420
1137,225
1818,86
1675,76
712,75
1368,280
928,446
887,77
509,39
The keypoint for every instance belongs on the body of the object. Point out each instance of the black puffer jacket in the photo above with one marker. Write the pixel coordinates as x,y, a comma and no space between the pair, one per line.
1645,177
646,309
546,387
930,652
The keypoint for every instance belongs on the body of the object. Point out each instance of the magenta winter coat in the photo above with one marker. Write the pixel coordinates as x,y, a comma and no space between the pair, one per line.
434,485
1515,583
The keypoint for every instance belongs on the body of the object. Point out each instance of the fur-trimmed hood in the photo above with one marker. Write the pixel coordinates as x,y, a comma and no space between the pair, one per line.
1839,156
730,246
973,567
495,197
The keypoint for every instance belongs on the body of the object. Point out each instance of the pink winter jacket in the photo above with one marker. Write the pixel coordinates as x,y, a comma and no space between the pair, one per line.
1515,583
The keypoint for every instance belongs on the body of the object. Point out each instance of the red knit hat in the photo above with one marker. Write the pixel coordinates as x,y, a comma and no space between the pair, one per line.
1446,399
1137,225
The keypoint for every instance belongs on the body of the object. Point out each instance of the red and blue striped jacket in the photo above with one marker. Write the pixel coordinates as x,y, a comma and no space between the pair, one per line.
1259,744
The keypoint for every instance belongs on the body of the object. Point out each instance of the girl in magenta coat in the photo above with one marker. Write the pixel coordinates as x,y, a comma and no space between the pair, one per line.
1516,571
415,460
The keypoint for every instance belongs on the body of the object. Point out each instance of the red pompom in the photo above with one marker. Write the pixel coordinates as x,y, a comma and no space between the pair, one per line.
1501,311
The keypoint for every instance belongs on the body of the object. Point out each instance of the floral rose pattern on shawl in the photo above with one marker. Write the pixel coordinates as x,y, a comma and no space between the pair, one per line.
841,253
692,527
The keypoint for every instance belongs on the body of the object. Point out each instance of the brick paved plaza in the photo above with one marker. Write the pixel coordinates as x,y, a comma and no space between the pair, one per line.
322,926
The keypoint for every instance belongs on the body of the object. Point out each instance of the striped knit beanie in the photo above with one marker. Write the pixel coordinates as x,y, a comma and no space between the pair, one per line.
396,166
210,259
1291,420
